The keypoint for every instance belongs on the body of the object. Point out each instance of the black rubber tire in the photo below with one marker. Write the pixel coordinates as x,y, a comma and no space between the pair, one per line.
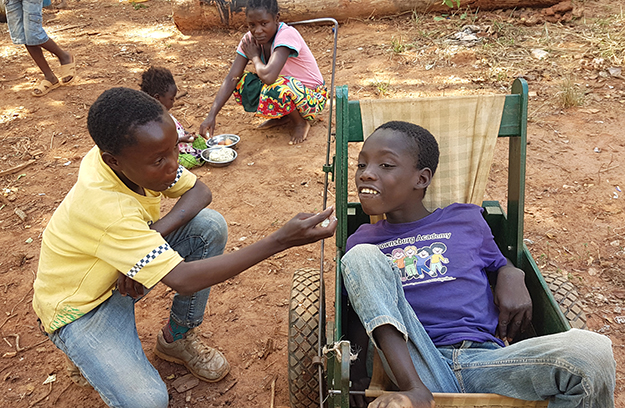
567,298
304,318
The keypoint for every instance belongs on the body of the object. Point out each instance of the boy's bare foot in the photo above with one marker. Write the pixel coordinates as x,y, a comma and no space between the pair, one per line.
268,124
300,132
404,399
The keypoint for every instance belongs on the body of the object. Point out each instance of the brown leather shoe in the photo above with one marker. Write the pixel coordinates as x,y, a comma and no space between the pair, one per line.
204,362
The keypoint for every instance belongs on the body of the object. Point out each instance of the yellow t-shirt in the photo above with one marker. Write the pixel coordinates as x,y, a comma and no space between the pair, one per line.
100,228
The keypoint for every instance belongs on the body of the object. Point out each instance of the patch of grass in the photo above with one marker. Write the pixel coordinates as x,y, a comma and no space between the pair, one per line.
382,87
138,6
397,46
415,18
570,95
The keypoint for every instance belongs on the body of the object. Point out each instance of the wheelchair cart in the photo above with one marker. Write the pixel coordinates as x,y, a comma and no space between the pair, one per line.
318,354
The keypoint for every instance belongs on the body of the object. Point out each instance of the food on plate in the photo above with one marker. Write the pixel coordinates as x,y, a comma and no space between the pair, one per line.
221,155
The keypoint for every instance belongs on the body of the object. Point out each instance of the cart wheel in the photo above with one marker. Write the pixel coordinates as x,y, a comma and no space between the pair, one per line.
567,298
304,318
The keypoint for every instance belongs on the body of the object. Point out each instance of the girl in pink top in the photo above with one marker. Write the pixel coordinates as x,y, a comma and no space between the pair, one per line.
287,86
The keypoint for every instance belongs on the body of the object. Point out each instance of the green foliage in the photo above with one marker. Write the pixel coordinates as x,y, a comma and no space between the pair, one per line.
383,87
450,3
397,46
138,6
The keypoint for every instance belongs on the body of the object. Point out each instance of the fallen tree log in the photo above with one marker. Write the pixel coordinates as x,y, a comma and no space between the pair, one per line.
192,15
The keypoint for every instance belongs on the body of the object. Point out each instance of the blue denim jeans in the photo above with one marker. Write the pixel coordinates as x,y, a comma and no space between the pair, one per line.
25,21
571,369
104,343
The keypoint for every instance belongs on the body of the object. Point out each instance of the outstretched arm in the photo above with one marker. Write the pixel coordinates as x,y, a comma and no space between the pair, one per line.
514,302
207,128
190,277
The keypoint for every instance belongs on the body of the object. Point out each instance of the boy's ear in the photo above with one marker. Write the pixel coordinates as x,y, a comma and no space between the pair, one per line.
424,178
110,161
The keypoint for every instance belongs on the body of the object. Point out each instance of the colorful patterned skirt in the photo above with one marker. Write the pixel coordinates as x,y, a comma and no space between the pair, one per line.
280,98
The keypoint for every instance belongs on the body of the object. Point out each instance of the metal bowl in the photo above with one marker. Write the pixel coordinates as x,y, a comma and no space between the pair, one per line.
215,140
206,154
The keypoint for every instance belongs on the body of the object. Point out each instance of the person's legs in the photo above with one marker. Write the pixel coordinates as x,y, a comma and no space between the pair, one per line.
374,287
65,59
271,123
202,237
35,39
36,53
104,344
573,369
300,127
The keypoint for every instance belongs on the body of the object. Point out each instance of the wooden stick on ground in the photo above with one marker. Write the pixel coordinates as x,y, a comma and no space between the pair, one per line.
17,168
273,391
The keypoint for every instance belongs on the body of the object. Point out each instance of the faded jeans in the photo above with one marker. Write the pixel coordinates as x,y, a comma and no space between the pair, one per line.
104,343
571,369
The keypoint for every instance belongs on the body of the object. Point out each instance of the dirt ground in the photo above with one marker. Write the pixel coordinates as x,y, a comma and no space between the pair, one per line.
575,225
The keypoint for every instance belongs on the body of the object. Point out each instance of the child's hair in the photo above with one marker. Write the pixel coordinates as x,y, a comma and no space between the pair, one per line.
270,6
115,115
156,80
426,151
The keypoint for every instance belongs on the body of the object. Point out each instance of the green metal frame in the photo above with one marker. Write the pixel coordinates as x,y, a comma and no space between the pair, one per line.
507,229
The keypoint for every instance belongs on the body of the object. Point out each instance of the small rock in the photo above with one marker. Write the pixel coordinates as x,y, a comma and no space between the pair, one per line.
185,383
21,214
615,71
539,54
619,319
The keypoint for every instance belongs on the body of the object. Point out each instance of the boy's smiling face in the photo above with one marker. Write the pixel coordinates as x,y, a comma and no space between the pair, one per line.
152,162
388,180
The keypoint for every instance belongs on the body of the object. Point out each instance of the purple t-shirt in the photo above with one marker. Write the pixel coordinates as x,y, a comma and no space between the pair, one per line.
301,63
443,260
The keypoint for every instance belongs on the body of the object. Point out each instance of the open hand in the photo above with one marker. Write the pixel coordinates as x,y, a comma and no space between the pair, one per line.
306,228
187,138
207,128
129,287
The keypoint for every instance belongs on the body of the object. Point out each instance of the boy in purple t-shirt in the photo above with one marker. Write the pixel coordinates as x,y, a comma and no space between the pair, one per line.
443,330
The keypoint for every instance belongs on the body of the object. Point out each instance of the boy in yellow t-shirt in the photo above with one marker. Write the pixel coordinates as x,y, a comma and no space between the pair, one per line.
107,240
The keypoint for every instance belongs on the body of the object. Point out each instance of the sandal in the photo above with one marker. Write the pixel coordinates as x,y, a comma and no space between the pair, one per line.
67,71
44,86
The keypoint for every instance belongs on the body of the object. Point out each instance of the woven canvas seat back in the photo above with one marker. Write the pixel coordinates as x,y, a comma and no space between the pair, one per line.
466,129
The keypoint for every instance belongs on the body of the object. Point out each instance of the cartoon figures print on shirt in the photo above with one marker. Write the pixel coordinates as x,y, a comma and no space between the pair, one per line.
414,263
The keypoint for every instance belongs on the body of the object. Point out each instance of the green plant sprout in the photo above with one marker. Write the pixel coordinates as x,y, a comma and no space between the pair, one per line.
450,3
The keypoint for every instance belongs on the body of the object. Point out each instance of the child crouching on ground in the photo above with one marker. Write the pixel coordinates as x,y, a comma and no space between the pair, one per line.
106,245
287,88
442,331
158,82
